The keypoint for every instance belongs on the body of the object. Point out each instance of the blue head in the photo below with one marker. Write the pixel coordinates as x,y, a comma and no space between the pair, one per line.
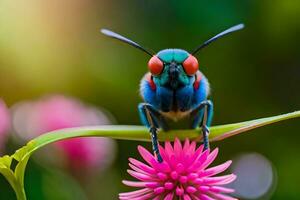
173,68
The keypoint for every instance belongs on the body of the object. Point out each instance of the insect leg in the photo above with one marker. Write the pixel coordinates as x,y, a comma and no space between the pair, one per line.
159,120
202,114
153,120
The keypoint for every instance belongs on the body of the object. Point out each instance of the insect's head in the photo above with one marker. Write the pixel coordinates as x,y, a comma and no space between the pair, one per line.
172,67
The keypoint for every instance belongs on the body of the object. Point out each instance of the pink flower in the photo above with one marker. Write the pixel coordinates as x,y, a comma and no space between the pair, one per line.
184,174
33,118
50,113
4,123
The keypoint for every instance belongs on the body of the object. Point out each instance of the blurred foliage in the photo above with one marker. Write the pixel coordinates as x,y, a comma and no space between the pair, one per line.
55,47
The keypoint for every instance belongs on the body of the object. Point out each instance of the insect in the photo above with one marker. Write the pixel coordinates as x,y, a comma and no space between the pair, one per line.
174,88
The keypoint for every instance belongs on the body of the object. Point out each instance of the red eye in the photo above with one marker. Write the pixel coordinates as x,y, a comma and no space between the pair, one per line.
155,65
190,65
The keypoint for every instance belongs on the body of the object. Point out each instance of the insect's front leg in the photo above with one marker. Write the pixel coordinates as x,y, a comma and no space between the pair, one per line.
151,118
202,115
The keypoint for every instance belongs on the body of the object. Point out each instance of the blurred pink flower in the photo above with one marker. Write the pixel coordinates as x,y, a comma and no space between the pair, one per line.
4,123
31,119
184,174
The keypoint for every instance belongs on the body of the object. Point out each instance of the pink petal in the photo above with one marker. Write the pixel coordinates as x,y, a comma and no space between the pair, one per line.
183,179
222,196
189,155
140,176
143,197
179,168
163,154
192,176
179,191
140,184
205,197
186,197
135,193
174,175
219,180
195,197
192,147
162,176
215,170
169,196
186,146
219,189
147,156
159,190
191,189
169,185
142,166
161,167
138,169
173,161
199,162
177,147
210,158
168,148
203,188
197,153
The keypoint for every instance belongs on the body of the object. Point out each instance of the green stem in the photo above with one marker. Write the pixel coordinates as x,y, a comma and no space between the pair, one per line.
20,193
140,133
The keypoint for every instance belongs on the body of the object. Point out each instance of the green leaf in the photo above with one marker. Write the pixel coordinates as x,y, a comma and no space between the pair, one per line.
139,133
5,163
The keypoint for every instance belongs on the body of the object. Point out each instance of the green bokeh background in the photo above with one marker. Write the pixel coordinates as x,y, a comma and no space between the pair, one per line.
54,46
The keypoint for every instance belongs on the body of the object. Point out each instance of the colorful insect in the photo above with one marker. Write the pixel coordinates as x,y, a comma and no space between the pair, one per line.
174,88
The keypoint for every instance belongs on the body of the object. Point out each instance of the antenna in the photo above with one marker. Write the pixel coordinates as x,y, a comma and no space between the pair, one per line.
227,31
124,39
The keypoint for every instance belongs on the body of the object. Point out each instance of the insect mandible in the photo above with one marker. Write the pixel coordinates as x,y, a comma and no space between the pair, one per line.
174,88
